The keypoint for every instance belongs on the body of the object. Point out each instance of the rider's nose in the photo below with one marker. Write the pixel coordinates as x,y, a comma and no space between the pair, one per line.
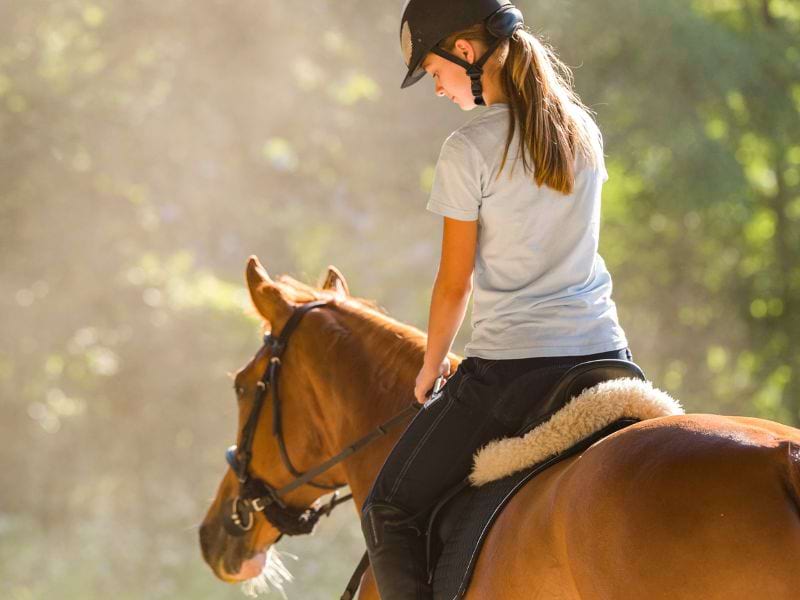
439,90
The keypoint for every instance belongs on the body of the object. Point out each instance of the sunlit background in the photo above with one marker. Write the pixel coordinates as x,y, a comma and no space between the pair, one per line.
149,147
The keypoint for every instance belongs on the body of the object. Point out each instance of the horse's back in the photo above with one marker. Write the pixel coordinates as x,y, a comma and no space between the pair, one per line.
688,506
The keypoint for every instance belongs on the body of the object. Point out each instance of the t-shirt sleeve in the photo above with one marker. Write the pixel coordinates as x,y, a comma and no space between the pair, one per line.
456,190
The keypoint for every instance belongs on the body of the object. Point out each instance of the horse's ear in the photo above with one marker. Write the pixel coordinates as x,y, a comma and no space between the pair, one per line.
256,273
332,279
265,293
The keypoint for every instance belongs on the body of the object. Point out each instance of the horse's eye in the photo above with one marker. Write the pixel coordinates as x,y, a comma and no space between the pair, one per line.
239,390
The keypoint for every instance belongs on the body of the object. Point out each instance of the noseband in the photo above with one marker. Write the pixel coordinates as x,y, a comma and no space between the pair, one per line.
256,495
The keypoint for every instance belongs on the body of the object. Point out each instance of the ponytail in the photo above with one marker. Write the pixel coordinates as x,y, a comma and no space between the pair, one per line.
554,125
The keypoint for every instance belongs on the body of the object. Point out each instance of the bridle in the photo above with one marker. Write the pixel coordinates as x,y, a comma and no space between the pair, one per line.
256,495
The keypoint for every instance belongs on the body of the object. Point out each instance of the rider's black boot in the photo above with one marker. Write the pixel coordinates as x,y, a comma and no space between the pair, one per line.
396,552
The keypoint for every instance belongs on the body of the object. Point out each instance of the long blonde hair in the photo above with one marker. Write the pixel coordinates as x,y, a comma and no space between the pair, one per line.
554,124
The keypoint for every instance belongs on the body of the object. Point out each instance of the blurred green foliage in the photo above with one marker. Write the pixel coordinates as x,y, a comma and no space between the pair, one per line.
149,147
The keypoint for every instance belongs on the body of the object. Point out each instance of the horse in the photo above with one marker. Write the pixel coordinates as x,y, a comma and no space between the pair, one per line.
683,506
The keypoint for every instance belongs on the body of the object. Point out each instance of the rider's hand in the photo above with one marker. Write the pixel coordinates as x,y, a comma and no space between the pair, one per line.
428,376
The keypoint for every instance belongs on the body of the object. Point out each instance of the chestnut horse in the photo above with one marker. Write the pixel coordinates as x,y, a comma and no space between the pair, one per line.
688,506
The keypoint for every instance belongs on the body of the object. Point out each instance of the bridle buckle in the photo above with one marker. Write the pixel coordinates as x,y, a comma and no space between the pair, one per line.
258,504
236,514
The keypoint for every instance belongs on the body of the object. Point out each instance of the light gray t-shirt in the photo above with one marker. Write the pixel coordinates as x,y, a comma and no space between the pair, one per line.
540,288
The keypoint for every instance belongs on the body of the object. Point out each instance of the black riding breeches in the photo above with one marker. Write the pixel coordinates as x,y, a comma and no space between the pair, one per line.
435,451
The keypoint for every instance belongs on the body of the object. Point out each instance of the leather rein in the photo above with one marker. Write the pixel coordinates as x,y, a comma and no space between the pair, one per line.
256,495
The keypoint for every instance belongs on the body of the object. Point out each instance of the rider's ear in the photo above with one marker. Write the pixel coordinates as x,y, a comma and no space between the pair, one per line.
332,279
266,295
464,49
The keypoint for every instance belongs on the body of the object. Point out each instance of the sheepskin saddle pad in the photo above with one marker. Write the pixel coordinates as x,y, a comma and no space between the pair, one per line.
460,521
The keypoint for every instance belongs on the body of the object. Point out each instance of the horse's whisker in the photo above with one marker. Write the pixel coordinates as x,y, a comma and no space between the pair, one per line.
274,575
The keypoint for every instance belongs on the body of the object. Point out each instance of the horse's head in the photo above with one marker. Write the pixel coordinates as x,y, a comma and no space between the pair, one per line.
276,441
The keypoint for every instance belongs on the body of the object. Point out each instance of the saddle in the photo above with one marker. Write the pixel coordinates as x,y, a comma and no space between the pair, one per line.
460,521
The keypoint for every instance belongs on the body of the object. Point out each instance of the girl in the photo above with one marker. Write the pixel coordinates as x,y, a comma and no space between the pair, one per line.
519,189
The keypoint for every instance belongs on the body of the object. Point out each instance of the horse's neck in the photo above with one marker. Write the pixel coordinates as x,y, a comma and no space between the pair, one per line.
385,362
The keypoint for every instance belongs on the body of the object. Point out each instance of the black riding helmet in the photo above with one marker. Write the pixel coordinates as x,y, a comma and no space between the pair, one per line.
425,23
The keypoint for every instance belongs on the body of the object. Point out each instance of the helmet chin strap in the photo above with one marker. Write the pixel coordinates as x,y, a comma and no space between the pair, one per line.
474,70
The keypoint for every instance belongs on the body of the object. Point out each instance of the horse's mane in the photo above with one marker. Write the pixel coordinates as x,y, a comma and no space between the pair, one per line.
392,342
369,310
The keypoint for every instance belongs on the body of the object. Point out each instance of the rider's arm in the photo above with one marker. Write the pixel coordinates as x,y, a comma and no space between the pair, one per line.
452,287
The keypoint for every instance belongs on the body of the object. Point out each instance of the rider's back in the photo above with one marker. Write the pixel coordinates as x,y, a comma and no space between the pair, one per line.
540,286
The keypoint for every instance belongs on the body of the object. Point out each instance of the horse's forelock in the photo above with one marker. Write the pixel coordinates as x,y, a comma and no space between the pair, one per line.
297,291
303,292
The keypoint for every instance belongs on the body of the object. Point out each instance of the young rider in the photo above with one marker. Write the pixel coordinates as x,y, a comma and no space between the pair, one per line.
519,189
